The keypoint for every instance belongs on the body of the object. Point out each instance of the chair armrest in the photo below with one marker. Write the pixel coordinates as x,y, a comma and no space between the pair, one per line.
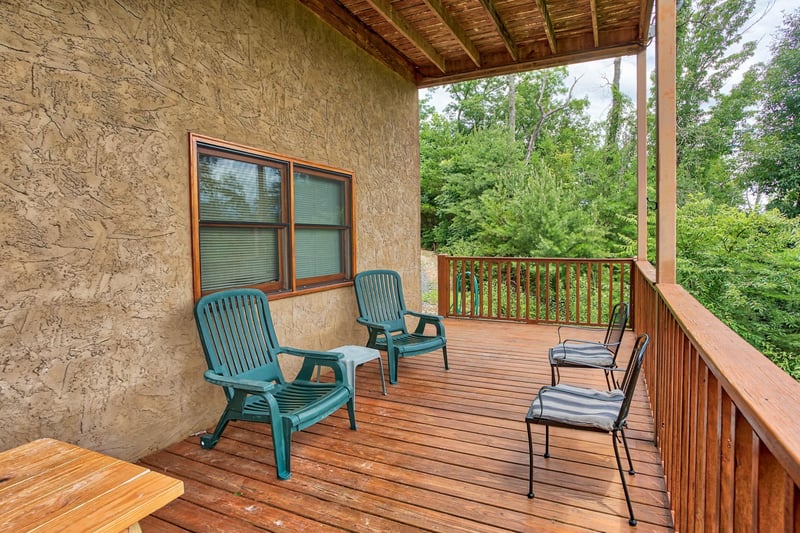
372,325
313,359
329,357
425,319
249,385
425,316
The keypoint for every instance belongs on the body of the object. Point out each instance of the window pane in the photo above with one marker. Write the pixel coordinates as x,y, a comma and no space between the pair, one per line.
238,191
318,252
233,257
318,200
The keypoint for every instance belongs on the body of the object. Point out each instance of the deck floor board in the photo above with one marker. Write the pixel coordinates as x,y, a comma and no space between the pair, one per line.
443,451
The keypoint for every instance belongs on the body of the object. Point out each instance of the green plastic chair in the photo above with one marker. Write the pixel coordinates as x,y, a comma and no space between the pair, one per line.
382,310
241,350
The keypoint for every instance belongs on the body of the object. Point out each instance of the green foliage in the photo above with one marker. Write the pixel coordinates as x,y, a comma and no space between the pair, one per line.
745,268
708,120
533,213
776,152
533,176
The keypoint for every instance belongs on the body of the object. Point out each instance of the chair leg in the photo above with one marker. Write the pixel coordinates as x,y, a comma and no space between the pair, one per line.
530,458
444,353
546,441
282,443
632,520
209,441
383,379
393,360
351,411
553,370
631,471
609,380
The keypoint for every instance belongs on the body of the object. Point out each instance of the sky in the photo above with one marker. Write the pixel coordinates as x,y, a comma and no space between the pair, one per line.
595,76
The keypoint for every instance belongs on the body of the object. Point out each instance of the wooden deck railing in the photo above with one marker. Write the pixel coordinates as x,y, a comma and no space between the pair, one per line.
727,419
544,291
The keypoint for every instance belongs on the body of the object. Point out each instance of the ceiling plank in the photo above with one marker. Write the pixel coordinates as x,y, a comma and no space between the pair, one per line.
345,23
455,30
399,23
548,25
488,5
594,23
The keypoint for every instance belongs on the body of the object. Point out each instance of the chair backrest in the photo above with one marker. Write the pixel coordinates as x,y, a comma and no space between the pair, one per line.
379,294
237,335
632,377
616,327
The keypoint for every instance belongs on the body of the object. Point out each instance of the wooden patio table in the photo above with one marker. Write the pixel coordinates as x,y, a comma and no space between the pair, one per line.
48,485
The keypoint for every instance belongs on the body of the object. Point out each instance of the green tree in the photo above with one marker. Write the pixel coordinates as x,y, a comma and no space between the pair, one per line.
776,166
710,51
530,212
744,266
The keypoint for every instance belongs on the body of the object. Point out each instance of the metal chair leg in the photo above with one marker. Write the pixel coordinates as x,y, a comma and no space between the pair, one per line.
530,458
627,452
632,520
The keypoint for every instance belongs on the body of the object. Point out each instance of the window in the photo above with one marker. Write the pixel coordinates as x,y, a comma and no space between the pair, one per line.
268,221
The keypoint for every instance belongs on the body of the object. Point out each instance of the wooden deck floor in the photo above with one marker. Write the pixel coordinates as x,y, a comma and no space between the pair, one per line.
443,451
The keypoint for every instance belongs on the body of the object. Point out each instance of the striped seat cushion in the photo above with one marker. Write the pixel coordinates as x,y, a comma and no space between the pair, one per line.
581,353
576,406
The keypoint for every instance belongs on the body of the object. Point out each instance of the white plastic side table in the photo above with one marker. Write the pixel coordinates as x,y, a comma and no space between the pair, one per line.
358,355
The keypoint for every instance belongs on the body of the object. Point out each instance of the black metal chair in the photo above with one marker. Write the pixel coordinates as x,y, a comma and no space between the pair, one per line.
576,353
590,409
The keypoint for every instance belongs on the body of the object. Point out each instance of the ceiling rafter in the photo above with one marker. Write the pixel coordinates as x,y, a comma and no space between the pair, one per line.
595,31
488,5
345,23
455,30
548,25
644,21
385,9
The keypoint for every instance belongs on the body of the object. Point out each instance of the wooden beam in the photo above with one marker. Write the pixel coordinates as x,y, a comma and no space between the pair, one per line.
644,20
455,30
641,153
593,4
385,9
548,25
465,71
345,23
666,142
511,46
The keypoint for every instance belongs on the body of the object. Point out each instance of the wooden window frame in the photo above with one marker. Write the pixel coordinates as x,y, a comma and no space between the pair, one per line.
287,284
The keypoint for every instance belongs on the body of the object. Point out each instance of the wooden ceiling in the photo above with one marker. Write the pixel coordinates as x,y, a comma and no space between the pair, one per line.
434,42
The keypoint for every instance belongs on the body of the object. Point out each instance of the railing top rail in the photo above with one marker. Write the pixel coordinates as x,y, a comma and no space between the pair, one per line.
763,393
542,259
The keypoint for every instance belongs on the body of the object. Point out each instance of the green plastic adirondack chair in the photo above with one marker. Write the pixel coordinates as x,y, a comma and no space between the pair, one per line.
241,350
382,310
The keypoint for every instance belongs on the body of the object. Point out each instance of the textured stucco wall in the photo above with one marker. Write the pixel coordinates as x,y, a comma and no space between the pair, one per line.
97,341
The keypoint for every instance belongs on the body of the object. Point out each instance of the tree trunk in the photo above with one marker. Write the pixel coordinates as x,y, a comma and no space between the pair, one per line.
512,105
615,113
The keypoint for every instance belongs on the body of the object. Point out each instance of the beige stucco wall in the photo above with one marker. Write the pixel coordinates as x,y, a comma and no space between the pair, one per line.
97,341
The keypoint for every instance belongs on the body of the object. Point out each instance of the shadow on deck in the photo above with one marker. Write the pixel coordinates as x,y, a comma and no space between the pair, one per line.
444,451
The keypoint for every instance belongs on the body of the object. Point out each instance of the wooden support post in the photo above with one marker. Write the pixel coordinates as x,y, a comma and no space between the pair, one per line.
641,153
666,141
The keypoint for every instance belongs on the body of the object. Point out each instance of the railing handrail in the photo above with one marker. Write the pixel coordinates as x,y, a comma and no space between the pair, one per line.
769,405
